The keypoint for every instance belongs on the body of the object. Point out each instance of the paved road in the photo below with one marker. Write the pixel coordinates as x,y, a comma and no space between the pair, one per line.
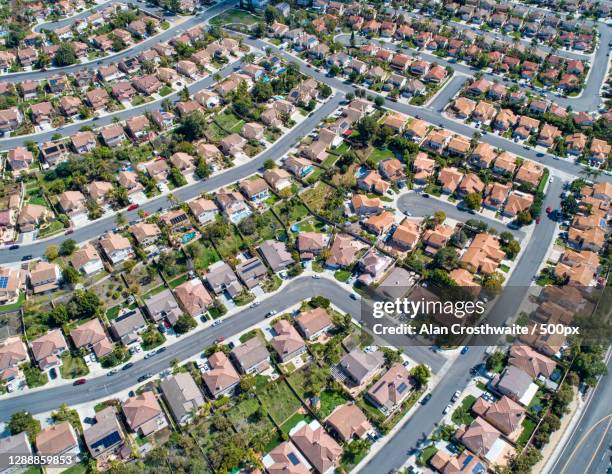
128,53
97,228
587,450
448,91
566,167
394,454
419,206
104,386
588,101
54,25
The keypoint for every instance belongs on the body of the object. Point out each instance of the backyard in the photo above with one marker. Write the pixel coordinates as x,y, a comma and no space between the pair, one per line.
279,401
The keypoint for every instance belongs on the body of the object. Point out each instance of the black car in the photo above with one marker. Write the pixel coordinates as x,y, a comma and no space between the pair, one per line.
144,377
26,257
426,399
161,349
127,366
14,247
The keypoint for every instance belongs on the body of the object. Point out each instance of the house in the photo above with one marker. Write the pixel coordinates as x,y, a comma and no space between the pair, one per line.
187,68
116,248
483,438
147,85
104,438
373,182
193,297
278,178
251,272
129,180
531,362
483,255
143,414
484,112
505,119
471,183
287,342
482,156
343,251
13,353
361,367
449,178
44,277
48,348
363,205
406,235
162,306
97,98
275,254
464,462
16,445
184,162
251,357
310,244
69,105
312,324
86,260
517,202
496,194
505,414
220,278
599,151
56,440
204,210
42,113
463,107
516,384
392,389
348,422
182,396
320,449
99,190
575,143
145,233
547,135
20,158
113,135
222,379
83,142
255,189
395,121
379,224
530,173
207,98
423,168
127,326
233,204
286,459
505,164
31,216
436,75
458,146
232,145
91,335
10,119
138,127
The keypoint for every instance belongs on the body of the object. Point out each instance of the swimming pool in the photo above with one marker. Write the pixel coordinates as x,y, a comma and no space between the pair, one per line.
188,237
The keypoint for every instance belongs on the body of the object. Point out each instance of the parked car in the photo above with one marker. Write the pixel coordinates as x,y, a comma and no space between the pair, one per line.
144,377
131,207
447,409
456,395
80,382
219,340
465,350
426,399
127,366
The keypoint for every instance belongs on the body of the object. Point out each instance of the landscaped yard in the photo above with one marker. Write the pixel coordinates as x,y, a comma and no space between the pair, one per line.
379,154
73,366
342,275
294,420
462,415
330,399
230,245
528,427
178,281
34,376
51,228
229,122
250,418
14,306
202,255
426,454
290,211
316,197
279,401
234,16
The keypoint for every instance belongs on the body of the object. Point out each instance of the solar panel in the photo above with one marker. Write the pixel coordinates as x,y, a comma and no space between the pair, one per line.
3,282
293,458
402,387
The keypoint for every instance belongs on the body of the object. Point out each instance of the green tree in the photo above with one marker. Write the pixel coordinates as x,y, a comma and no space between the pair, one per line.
65,55
192,127
493,282
421,374
67,247
52,252
473,201
524,218
24,421
70,275
185,323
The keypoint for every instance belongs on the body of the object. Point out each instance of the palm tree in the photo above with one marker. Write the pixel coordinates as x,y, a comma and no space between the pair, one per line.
120,219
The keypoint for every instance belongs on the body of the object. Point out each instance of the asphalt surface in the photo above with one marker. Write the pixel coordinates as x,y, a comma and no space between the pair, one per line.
99,227
296,291
127,53
564,166
588,448
588,101
442,98
54,25
419,206
394,454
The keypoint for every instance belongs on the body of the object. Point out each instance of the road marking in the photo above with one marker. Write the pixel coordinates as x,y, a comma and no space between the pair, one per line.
603,438
585,436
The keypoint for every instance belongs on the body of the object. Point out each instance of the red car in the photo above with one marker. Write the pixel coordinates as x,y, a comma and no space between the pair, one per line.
219,340
80,382
69,231
537,220
548,209
131,207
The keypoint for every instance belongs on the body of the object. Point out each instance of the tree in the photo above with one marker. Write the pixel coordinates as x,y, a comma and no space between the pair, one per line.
523,218
421,374
512,249
493,282
67,247
247,383
192,127
391,356
446,258
368,128
439,217
185,323
70,275
270,14
120,219
379,101
65,55
52,252
496,361
473,201
325,90
24,421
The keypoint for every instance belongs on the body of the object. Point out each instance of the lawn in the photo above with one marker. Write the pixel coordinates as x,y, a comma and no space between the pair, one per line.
164,91
234,16
316,197
288,425
330,399
279,401
462,415
528,427
230,245
38,199
202,255
52,228
214,133
178,281
73,366
250,418
14,306
229,122
426,454
342,275
290,211
34,376
378,155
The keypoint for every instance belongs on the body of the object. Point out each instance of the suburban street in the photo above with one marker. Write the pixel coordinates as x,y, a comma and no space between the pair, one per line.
440,101
97,228
420,206
296,291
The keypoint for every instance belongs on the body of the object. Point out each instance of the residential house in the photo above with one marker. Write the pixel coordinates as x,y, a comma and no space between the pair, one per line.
222,379
361,367
86,260
348,422
182,396
143,414
251,272
128,326
162,306
275,254
251,357
193,297
57,440
287,342
104,438
48,348
392,389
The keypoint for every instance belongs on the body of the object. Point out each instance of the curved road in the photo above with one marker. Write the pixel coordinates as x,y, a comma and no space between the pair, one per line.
275,152
297,290
54,25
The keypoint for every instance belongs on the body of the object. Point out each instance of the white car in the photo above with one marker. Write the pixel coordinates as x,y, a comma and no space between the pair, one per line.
447,409
456,395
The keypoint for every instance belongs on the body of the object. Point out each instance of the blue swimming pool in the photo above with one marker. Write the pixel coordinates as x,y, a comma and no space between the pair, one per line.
361,172
295,228
188,237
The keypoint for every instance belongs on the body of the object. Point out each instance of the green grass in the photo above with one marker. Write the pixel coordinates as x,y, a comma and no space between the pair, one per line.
34,376
290,211
462,416
292,422
229,122
229,245
504,268
79,468
342,275
330,399
154,291
528,427
378,155
165,90
426,454
112,313
14,306
52,227
37,199
279,401
177,281
73,366
234,16
481,386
